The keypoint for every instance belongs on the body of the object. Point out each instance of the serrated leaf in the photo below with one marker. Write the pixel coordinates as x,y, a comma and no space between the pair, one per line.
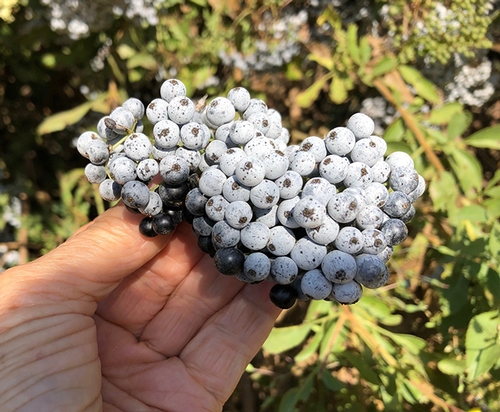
422,86
442,115
459,123
395,131
487,138
443,190
282,339
338,91
385,65
310,95
61,120
352,43
482,344
468,170
452,366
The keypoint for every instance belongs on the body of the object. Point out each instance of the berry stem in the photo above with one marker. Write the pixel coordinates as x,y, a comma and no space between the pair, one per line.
412,125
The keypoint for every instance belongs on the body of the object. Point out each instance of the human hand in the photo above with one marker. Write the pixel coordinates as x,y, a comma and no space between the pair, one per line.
113,321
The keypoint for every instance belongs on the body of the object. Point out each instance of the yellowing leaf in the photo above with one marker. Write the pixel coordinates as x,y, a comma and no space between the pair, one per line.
308,96
61,120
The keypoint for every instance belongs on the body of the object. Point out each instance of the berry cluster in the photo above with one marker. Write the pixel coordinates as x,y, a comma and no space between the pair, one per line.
319,219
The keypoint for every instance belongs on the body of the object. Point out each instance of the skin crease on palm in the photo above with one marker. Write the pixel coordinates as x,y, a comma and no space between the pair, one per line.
112,321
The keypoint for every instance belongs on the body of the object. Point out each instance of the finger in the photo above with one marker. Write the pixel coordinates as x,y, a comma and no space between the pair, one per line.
201,294
92,262
220,352
139,298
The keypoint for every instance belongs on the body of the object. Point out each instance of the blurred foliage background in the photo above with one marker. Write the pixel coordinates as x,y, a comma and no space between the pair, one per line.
427,72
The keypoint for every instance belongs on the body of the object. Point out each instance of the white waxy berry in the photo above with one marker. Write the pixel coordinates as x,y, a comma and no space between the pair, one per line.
174,170
358,175
154,206
192,156
211,182
107,133
381,171
110,190
137,146
333,168
290,184
419,191
166,134
215,208
240,98
233,190
134,106
123,120
259,146
398,158
319,188
265,195
303,163
250,171
238,214
230,159
147,169
241,132
203,225
122,170
397,204
340,141
98,152
308,254
369,150
95,173
314,285
255,106
171,88
339,267
309,212
214,151
255,236
281,241
373,241
181,110
157,110
325,233
135,194
193,136
404,178
371,271
257,266
275,163
361,125
346,293
349,240
224,236
314,145
370,217
260,121
343,207
376,194
285,212
267,216
219,111
283,270
395,231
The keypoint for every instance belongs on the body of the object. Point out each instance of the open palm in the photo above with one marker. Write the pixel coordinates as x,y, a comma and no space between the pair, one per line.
116,322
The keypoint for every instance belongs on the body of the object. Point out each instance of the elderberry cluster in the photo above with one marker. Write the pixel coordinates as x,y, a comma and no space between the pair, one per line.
319,219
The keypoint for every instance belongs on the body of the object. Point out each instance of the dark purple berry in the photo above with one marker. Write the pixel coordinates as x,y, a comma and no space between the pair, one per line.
229,261
163,224
283,296
146,227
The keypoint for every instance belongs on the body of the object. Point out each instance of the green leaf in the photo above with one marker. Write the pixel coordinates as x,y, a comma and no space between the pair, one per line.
144,60
310,348
365,51
473,213
395,131
338,91
468,170
412,344
310,95
494,241
365,370
443,190
452,366
482,344
442,115
385,65
423,87
352,43
282,339
487,138
459,123
331,382
61,120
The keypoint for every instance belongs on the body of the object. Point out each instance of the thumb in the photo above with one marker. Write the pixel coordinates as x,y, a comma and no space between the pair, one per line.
91,263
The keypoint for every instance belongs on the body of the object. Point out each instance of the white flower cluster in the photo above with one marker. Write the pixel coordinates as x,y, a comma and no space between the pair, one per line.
78,18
